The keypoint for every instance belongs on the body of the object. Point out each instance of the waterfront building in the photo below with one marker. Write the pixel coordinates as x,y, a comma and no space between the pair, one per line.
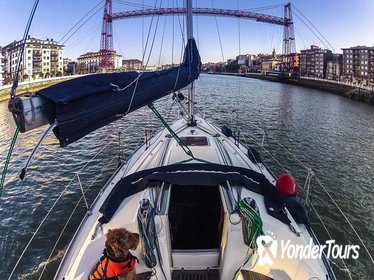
358,65
1,68
89,62
132,64
41,59
313,61
334,67
271,64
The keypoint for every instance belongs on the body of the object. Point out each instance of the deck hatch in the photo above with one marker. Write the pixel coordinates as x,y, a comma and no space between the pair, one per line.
195,140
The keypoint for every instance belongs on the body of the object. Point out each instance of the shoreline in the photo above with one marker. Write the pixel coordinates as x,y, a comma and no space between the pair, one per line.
344,90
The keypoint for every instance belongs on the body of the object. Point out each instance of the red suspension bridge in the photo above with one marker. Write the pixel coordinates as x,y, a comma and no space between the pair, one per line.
106,44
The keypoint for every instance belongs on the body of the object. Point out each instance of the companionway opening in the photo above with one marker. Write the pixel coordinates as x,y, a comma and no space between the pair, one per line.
196,217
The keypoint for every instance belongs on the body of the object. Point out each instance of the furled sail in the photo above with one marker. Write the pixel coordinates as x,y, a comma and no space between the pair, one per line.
84,104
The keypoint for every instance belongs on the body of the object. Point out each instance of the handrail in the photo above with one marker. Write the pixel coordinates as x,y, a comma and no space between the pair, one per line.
63,192
307,189
72,213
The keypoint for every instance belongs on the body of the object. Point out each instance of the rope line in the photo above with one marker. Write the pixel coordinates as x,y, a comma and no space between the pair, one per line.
72,28
331,238
12,144
71,216
22,49
171,131
54,205
252,227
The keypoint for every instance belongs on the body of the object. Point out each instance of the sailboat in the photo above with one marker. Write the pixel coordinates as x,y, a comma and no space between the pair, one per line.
204,205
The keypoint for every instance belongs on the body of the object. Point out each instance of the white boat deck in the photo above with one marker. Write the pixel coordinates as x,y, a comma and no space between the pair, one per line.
84,253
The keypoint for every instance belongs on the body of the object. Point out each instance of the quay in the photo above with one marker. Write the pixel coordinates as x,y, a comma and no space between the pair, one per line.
32,86
354,92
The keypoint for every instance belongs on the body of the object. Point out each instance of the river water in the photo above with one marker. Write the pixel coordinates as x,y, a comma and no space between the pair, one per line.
330,134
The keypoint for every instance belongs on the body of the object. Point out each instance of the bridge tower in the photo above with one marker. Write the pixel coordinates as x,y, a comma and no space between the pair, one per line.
289,47
106,43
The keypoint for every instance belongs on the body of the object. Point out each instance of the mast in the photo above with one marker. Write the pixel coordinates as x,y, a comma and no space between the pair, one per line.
191,90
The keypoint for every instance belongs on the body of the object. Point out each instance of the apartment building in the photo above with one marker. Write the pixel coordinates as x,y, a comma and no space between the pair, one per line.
1,69
132,64
41,59
313,61
89,62
334,67
358,65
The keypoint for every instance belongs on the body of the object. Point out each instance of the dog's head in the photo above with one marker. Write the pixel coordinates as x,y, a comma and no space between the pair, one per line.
119,241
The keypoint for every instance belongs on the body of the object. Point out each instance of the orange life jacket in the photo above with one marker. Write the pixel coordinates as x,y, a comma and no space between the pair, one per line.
109,267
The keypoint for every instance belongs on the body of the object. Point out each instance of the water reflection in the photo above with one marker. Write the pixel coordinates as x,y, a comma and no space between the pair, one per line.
332,135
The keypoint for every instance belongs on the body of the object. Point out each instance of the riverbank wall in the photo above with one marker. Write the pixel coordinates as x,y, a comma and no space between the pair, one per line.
31,86
342,89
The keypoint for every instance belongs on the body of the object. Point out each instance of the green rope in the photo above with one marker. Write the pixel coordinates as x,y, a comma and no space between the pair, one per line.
171,131
8,159
176,137
194,158
252,227
251,223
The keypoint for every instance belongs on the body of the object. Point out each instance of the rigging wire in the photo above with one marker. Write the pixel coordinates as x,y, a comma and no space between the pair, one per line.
22,49
162,41
327,193
72,28
14,88
143,50
79,39
311,30
331,238
80,26
219,34
131,4
54,205
14,139
149,56
313,27
172,38
265,7
75,208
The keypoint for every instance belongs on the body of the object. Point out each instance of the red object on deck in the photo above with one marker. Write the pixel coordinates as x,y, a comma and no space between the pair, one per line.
286,184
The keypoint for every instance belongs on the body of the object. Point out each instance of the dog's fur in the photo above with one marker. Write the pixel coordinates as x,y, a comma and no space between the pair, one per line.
118,243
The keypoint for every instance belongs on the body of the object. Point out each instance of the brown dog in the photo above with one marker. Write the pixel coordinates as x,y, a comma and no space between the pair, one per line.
117,260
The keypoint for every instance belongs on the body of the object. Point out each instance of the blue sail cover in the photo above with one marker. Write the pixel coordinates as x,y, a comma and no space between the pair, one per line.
85,104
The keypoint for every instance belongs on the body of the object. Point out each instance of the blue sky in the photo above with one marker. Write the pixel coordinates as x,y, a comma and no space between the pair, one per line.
344,23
